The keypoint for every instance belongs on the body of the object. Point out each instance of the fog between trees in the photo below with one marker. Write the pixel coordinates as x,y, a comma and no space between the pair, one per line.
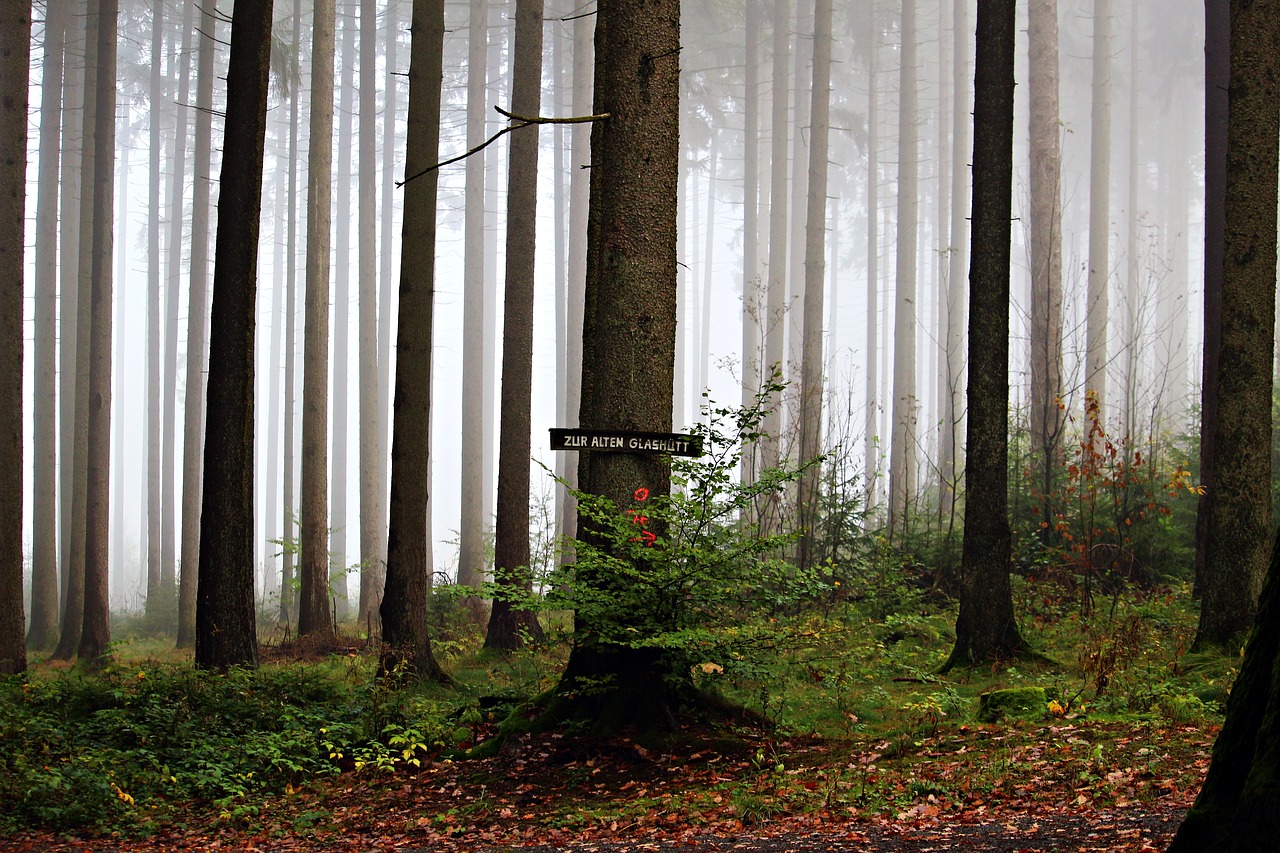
1151,226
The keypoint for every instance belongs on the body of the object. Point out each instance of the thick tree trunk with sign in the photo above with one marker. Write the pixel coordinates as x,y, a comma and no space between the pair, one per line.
628,330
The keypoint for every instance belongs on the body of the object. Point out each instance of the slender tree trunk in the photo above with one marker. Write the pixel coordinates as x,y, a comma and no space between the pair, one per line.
372,518
120,336
508,620
314,615
406,643
815,269
560,205
95,632
775,321
1133,347
342,325
957,262
279,239
388,286
708,272
1217,79
752,298
906,404
194,409
1099,209
871,432
1047,420
579,202
155,603
68,297
986,629
43,626
225,631
15,53
73,602
288,581
471,525
169,415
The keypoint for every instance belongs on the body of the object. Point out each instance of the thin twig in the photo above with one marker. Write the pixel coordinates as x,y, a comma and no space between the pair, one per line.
522,121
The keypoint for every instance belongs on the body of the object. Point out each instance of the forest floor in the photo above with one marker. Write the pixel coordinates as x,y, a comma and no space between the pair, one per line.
1069,785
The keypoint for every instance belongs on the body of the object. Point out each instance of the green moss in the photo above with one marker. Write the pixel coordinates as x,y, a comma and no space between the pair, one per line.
1021,703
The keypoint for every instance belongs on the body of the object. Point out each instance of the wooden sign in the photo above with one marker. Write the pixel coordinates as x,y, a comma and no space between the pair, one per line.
620,441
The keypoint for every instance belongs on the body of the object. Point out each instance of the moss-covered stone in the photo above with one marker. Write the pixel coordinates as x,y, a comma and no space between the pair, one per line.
1019,703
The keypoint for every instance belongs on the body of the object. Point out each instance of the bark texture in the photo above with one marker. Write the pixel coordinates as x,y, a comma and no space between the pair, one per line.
1235,811
197,334
406,643
1097,298
815,267
314,615
15,52
986,629
43,624
225,631
906,406
95,631
1047,419
507,619
629,326
1239,520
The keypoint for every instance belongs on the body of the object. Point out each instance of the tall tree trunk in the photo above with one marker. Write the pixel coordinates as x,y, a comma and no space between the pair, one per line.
957,262
15,53
708,273
388,280
314,615
197,344
1047,420
902,449
471,524
752,298
225,632
986,629
1099,209
406,643
73,601
871,432
342,324
43,624
815,269
560,205
280,240
631,286
1132,348
155,603
288,581
95,632
775,319
508,620
579,202
372,517
120,336
1217,79
68,297
1239,521
169,378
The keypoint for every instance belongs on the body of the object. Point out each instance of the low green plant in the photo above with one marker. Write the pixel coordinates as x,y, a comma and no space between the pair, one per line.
117,750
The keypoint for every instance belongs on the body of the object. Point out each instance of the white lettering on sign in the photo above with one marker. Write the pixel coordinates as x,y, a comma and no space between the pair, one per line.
660,445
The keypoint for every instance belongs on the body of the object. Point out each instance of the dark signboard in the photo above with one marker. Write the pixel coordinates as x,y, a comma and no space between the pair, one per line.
621,441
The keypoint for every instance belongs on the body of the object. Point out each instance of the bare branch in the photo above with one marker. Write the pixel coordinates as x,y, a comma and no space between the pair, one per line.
521,121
